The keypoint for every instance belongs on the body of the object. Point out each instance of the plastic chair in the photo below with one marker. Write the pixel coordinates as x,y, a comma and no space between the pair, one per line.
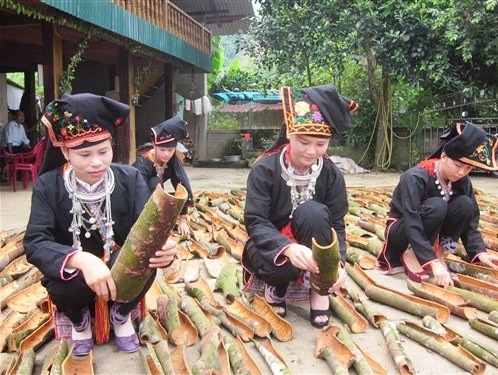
26,162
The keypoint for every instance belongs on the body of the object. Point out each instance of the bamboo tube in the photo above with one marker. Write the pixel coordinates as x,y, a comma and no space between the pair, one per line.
486,327
359,277
214,358
150,361
276,365
362,257
360,363
347,314
240,360
151,331
478,286
483,303
458,356
27,363
29,278
396,348
162,351
131,269
227,281
493,316
479,272
412,305
338,356
190,307
327,258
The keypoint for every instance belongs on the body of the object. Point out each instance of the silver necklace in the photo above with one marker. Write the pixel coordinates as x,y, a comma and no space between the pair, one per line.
445,188
302,186
94,205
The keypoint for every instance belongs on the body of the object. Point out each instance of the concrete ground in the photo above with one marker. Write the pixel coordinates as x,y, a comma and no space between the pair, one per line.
299,352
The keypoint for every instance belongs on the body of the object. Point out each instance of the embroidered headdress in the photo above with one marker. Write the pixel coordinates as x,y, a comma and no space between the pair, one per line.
471,145
169,132
318,111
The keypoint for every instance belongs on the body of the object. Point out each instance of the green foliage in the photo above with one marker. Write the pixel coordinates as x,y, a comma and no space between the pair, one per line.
65,83
18,78
222,121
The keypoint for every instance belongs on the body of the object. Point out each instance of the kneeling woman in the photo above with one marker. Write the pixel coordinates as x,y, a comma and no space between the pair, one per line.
162,163
433,206
82,210
296,193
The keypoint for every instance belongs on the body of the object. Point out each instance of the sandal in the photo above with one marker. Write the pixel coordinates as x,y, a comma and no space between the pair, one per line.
413,269
315,314
275,303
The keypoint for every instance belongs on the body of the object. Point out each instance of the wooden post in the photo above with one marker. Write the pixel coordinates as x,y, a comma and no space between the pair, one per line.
125,137
52,62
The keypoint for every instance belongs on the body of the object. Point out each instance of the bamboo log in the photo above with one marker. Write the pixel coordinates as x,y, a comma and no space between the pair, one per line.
7,361
479,272
78,365
259,324
396,348
168,290
276,365
12,249
455,303
181,330
435,326
14,269
60,356
27,363
131,269
457,355
358,276
478,286
179,360
31,277
347,314
493,316
190,307
360,363
162,351
327,258
28,298
214,358
486,327
362,257
338,356
483,303
227,281
410,304
374,317
240,361
150,361
280,328
151,331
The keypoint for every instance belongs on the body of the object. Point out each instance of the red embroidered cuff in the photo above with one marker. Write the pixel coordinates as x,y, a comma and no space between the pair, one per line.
280,262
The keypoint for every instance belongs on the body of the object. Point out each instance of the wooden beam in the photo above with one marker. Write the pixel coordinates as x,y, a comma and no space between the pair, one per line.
52,64
125,137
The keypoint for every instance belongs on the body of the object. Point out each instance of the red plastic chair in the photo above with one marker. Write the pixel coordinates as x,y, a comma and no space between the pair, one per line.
26,162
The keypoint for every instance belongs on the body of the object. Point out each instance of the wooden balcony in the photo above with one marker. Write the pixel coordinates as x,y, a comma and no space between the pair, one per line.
169,17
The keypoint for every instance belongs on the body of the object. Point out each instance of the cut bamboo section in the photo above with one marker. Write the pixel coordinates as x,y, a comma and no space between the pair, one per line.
152,296
198,316
24,365
453,301
360,363
338,356
12,249
228,282
12,320
77,365
373,245
181,330
396,348
215,266
234,247
241,361
214,357
179,360
486,327
26,280
14,269
259,324
363,258
161,351
281,329
359,277
459,266
478,286
151,331
272,358
131,269
28,299
150,362
348,314
33,321
203,287
458,355
483,303
327,258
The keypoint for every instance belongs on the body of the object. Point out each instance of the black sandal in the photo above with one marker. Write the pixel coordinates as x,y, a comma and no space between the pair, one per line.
315,314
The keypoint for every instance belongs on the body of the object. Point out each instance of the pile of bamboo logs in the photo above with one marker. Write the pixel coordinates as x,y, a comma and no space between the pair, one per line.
199,302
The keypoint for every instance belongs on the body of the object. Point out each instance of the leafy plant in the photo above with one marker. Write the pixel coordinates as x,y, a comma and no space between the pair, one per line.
65,83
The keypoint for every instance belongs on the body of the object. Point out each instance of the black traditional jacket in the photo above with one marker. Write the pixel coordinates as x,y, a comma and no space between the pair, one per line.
268,205
174,171
415,186
48,242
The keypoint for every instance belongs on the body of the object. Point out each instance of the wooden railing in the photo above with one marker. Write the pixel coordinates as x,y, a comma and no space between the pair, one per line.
169,17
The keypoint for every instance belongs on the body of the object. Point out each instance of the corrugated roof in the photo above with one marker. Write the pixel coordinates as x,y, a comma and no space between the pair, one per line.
222,17
250,107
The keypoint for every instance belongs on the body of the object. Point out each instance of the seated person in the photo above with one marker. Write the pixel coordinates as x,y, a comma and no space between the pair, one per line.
162,163
433,206
14,135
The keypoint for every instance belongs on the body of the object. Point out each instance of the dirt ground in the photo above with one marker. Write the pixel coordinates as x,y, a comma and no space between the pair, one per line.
299,352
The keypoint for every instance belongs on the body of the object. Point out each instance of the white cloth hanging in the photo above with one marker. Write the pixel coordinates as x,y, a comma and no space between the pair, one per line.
188,104
198,106
206,105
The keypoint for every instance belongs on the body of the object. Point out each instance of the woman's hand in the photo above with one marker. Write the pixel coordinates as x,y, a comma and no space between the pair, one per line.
164,257
301,257
183,227
488,260
341,279
96,273
441,274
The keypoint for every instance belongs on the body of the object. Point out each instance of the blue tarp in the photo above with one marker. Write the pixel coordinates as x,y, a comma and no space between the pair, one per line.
247,96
